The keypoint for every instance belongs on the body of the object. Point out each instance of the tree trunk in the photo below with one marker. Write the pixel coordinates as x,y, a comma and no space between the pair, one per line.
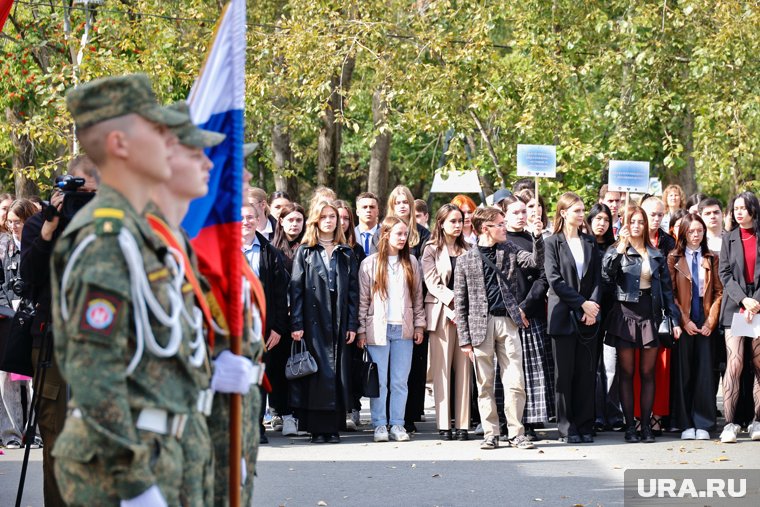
687,177
379,162
23,157
330,133
283,157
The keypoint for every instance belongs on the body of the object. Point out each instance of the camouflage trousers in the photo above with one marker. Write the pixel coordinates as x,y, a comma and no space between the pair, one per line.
220,435
198,474
83,479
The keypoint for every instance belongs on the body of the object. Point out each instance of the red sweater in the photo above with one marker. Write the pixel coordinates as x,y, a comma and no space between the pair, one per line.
749,244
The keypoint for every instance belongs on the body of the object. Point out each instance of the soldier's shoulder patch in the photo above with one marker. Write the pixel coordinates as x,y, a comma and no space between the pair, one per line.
99,312
108,220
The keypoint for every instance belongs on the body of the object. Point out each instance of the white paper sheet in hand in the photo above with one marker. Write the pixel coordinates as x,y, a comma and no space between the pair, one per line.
740,326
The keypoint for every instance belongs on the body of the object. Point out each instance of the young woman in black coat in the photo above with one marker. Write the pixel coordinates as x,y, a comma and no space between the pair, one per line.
573,269
324,297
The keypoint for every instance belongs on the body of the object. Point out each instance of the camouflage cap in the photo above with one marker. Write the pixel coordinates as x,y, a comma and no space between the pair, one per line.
189,134
110,97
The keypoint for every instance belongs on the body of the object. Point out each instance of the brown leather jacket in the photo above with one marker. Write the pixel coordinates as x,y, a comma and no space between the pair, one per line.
680,274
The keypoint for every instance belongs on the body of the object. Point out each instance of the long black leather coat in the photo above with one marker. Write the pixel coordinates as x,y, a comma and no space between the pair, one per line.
623,272
325,332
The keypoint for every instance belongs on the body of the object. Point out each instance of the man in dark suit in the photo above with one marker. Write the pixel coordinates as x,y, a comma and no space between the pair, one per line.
488,317
266,262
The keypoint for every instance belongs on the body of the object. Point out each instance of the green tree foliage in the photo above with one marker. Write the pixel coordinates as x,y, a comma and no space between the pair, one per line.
669,81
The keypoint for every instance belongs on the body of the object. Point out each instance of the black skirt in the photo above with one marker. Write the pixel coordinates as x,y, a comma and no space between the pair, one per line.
632,325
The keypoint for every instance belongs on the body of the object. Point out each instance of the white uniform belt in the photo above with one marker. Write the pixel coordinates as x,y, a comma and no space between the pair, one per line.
155,420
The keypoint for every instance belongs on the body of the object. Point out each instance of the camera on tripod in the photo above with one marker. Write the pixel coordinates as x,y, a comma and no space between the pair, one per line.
73,199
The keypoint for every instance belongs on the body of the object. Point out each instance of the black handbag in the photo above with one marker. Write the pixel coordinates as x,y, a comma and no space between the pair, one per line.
665,331
16,349
366,377
300,364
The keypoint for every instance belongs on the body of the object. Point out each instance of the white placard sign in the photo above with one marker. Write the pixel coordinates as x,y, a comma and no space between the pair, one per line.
537,160
628,176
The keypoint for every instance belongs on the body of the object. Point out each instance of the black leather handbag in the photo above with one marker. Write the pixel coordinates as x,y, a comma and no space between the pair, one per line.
300,364
366,377
16,343
665,331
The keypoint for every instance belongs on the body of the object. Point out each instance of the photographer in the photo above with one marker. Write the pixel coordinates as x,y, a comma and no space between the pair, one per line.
11,408
40,234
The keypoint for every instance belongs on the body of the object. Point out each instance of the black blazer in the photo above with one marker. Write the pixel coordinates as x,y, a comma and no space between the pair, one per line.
274,280
731,270
565,293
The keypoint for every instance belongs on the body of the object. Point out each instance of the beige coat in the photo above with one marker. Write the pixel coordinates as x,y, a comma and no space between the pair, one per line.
439,301
374,324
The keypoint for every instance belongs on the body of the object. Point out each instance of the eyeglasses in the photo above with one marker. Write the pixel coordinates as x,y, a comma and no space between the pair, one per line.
500,225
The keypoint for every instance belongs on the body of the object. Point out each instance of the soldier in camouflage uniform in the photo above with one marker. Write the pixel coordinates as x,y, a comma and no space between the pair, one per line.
190,168
120,342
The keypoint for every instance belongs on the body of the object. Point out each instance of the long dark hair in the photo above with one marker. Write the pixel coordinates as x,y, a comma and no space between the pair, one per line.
438,237
752,205
675,217
280,239
630,211
350,233
683,230
608,238
380,283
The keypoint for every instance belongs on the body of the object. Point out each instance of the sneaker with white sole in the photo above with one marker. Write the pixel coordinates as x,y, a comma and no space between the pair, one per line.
490,443
728,436
356,417
276,423
398,433
689,434
381,434
350,424
702,435
13,444
522,442
289,426
754,430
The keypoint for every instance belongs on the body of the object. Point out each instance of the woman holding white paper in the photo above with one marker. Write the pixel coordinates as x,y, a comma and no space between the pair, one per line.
740,275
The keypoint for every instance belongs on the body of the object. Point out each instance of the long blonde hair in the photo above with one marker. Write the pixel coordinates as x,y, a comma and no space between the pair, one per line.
311,236
414,236
380,284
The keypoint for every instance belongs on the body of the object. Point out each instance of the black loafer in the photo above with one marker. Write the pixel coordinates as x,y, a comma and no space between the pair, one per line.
587,439
445,434
647,435
463,435
263,438
318,439
574,439
631,436
410,427
332,439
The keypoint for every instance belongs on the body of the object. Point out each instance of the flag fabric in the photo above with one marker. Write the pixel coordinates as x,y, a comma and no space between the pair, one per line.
213,222
5,10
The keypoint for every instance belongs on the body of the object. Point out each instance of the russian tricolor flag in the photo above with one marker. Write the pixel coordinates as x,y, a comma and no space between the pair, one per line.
5,10
217,101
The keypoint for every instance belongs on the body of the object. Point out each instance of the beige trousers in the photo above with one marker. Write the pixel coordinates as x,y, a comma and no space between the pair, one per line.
446,357
503,340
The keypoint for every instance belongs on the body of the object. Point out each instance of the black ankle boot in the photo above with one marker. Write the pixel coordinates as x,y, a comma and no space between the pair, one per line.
647,436
631,435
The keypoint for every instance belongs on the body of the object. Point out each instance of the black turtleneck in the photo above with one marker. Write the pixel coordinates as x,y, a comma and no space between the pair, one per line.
496,304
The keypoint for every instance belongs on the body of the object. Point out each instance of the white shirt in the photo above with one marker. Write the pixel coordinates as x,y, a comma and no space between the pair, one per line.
253,254
576,248
395,301
702,272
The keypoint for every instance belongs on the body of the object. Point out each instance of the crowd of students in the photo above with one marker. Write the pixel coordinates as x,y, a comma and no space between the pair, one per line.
514,321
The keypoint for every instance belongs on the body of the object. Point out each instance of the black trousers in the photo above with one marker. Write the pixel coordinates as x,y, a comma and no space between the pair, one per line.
575,374
692,403
415,401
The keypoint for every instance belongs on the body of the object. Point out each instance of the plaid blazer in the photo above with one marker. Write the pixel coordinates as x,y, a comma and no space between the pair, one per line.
470,298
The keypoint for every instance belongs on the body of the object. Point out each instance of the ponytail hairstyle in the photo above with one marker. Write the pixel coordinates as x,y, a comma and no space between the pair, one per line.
414,236
380,283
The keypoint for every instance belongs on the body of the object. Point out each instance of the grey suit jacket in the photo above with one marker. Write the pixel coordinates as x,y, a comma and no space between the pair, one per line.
470,299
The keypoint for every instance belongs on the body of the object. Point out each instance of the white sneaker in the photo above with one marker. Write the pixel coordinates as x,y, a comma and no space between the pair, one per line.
728,436
703,435
350,424
479,430
381,434
289,426
399,434
689,434
276,423
754,430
